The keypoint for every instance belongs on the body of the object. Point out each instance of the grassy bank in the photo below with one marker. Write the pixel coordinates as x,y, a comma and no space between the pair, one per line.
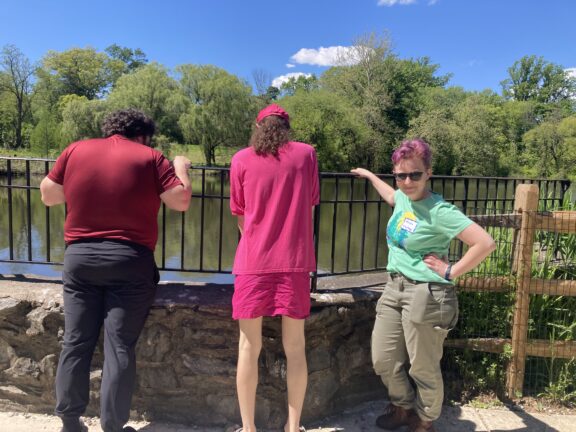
192,152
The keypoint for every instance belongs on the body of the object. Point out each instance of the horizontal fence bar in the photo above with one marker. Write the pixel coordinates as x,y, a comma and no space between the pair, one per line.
499,221
563,222
553,287
534,347
485,284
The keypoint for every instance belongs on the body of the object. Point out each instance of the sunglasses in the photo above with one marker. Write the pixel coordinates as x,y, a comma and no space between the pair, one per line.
414,176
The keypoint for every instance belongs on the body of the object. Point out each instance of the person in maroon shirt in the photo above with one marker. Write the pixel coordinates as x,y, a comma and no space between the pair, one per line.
113,188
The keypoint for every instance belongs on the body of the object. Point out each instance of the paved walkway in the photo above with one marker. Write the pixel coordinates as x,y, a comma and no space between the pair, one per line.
358,419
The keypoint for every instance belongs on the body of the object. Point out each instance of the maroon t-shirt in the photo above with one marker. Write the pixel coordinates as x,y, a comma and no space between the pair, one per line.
112,188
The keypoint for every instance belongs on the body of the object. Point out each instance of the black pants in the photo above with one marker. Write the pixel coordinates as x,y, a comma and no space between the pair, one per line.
106,283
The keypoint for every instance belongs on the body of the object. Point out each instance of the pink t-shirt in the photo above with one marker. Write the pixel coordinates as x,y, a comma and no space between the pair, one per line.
275,196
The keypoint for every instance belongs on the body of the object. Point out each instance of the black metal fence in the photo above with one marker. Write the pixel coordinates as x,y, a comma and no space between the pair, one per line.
349,224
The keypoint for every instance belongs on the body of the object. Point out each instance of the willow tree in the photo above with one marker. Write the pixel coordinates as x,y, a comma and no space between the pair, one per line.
151,89
221,110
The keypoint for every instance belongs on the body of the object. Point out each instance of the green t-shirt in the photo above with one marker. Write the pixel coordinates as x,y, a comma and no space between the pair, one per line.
418,228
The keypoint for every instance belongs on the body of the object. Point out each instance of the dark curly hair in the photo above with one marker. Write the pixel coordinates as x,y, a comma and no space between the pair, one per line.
269,135
129,122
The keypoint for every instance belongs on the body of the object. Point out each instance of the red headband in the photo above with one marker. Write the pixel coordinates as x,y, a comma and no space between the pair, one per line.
275,110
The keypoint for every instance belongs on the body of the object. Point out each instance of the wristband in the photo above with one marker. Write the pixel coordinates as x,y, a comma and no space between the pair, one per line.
447,272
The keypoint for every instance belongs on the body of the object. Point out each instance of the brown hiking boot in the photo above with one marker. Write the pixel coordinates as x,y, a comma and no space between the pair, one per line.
394,417
420,425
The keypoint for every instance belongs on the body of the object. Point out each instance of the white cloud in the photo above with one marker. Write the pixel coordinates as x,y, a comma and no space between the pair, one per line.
571,72
397,2
278,81
290,65
329,56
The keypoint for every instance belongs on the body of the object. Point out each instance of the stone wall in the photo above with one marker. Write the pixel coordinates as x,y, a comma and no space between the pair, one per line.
188,349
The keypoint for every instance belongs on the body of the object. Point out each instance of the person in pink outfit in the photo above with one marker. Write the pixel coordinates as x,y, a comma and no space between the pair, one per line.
274,186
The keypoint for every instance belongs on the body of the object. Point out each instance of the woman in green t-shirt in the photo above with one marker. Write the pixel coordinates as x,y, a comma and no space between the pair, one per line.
419,305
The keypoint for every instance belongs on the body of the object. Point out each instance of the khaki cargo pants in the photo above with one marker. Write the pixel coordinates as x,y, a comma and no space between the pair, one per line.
412,321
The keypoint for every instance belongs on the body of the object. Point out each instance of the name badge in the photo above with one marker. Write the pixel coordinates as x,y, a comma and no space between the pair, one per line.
409,225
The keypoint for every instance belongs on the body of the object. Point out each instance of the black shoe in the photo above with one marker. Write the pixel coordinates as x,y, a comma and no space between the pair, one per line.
128,429
73,425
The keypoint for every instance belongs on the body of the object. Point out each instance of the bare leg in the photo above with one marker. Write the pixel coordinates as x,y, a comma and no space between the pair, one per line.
297,373
249,348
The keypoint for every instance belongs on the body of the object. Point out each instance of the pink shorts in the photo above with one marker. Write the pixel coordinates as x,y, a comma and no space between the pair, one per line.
271,294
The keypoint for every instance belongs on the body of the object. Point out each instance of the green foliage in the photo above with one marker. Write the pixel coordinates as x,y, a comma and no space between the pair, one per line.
384,89
465,131
16,83
551,148
81,118
379,99
301,83
533,78
561,386
132,59
326,121
46,136
480,141
151,89
221,109
468,374
80,71
7,120
553,318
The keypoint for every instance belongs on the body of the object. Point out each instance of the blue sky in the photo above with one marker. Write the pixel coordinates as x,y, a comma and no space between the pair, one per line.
475,40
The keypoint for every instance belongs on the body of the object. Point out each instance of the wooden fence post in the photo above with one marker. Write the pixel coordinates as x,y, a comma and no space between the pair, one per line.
526,203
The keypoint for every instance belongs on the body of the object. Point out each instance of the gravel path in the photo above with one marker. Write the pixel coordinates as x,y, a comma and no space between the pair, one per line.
357,419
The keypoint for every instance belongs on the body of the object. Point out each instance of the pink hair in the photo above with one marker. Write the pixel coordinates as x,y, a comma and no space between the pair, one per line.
413,148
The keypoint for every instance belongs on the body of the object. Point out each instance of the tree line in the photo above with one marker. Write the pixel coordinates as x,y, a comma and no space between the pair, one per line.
354,113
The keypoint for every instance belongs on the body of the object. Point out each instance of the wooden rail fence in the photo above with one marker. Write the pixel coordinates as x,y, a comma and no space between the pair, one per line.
526,221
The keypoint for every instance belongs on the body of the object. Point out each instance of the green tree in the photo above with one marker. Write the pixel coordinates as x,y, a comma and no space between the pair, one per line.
552,148
436,124
518,118
386,90
16,79
567,130
480,142
271,94
79,71
131,58
81,118
332,126
151,89
533,78
7,120
300,83
221,109
465,131
45,136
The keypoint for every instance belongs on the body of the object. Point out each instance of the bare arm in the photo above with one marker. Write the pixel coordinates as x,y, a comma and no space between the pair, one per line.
384,189
480,245
52,192
178,198
241,224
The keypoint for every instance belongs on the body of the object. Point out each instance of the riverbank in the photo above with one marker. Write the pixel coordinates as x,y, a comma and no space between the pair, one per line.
37,164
